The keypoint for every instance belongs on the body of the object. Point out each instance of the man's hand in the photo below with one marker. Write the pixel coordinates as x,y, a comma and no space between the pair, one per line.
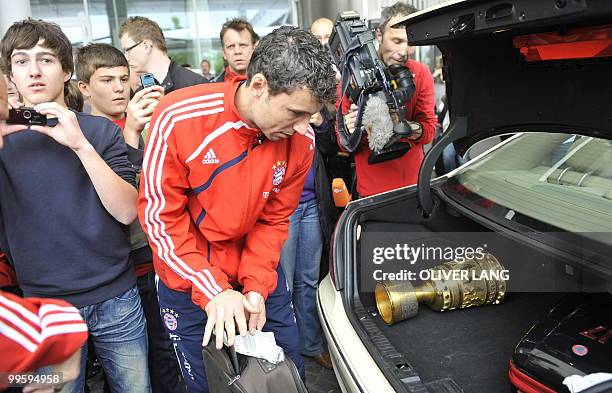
8,92
4,113
316,119
256,320
67,131
69,370
350,118
139,112
222,311
417,131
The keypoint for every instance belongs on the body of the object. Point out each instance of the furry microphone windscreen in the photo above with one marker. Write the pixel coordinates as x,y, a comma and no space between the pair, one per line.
376,114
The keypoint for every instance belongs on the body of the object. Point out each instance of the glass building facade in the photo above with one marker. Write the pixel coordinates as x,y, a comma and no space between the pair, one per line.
191,27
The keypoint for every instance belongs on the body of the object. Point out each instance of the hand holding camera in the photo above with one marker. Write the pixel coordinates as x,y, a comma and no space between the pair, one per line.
67,131
414,129
350,118
14,103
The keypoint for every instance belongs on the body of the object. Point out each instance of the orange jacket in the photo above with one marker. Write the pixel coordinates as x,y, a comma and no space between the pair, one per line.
214,202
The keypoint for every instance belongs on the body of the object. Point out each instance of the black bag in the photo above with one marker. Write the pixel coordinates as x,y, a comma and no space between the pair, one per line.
574,337
230,372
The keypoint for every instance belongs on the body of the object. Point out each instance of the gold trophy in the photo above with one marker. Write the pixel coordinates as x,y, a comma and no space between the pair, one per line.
473,282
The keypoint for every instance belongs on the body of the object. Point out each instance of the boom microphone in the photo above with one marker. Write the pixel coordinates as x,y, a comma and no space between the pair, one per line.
377,120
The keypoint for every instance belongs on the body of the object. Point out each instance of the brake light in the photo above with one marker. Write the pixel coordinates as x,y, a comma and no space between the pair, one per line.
582,43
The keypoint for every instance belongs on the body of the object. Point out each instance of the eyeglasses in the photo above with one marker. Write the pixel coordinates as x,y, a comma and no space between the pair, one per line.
126,50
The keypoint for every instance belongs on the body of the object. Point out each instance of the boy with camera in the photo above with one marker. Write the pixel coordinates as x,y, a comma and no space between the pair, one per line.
67,193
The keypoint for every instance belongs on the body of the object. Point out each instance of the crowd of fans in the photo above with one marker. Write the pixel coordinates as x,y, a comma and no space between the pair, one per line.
235,206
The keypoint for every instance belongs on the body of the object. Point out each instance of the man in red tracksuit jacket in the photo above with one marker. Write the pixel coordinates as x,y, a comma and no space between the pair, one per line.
400,172
222,173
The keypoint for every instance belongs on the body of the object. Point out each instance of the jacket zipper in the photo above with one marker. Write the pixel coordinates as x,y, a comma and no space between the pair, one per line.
258,141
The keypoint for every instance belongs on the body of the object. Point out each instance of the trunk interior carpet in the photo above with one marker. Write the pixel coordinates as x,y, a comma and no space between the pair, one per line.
471,346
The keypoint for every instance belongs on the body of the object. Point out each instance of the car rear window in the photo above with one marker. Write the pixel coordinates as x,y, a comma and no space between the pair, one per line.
554,181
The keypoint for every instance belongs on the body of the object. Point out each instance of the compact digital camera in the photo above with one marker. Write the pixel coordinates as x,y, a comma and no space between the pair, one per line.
26,116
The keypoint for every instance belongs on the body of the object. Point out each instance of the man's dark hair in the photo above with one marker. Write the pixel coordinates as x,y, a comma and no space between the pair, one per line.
397,9
93,56
292,59
26,35
205,61
139,28
238,24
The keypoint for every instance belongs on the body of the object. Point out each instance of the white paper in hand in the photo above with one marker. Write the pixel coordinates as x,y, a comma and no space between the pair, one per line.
260,345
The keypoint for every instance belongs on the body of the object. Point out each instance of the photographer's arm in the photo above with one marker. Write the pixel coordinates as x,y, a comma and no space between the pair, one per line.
345,104
116,194
350,118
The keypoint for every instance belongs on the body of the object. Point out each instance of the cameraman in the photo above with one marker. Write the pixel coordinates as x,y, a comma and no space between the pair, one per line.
400,172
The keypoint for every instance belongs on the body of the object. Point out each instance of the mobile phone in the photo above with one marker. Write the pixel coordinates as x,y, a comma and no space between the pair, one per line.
147,80
26,116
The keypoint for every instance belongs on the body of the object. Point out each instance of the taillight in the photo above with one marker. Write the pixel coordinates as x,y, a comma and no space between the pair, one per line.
581,43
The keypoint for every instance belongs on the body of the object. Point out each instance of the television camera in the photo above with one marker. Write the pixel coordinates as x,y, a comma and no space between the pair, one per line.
380,93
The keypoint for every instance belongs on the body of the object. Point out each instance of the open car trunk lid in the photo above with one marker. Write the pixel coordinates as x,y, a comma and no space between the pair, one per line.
494,82
493,86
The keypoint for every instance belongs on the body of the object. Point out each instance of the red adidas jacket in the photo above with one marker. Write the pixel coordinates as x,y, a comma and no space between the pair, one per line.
400,172
37,332
214,202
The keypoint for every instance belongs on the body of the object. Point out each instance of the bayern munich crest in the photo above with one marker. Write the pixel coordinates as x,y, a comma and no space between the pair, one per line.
170,318
278,172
